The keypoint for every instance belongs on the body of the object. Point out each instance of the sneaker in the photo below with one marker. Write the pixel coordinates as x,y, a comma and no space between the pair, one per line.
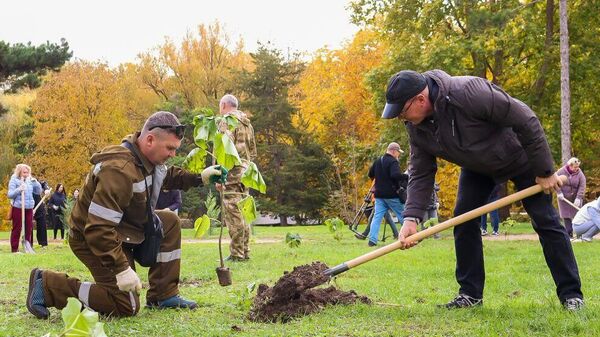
360,236
573,304
495,233
483,232
462,301
584,239
576,240
173,302
35,295
372,244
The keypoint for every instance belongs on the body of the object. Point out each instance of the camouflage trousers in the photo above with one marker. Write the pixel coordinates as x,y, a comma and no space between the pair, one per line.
239,231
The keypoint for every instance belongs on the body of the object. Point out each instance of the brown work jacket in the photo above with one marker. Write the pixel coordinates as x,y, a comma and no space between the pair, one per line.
111,208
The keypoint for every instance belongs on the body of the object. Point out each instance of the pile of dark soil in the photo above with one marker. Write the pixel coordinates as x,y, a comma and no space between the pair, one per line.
293,296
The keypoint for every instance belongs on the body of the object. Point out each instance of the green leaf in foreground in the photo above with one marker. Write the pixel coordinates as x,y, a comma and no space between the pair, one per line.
80,323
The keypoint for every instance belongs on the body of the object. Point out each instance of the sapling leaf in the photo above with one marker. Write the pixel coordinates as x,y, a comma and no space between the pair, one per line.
252,178
225,151
194,162
248,209
201,225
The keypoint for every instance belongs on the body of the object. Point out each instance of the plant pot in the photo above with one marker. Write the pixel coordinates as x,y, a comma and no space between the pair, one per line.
224,275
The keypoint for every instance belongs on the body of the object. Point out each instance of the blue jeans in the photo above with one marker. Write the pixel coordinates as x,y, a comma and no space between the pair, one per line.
494,218
381,207
586,230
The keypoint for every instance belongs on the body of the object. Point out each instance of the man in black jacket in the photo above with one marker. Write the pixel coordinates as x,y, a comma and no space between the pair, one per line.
493,137
388,178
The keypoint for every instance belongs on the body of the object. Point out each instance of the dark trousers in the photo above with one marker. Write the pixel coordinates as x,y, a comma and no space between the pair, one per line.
40,229
57,223
473,191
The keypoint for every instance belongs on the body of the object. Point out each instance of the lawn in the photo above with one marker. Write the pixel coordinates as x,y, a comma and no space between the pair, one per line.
405,287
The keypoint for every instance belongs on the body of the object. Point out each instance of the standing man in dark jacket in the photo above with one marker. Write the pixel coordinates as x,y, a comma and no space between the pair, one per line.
388,178
107,223
493,137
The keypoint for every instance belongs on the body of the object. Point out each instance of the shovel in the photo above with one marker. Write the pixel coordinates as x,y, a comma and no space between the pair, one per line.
437,228
570,203
26,244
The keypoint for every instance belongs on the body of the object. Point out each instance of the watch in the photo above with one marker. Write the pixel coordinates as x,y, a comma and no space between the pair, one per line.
411,218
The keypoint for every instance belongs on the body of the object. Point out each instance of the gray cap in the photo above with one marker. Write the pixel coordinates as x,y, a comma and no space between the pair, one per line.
402,87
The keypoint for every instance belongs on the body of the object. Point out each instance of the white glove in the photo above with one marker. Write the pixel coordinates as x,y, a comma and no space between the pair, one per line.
578,202
55,207
560,196
437,205
214,170
128,280
22,187
47,192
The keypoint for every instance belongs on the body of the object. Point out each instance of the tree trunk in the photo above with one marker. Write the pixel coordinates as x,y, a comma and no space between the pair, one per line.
540,83
565,91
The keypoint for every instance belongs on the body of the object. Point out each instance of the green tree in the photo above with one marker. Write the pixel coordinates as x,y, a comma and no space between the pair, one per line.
294,167
22,65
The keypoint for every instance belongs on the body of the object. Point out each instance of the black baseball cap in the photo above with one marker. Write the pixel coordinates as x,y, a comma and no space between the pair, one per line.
402,87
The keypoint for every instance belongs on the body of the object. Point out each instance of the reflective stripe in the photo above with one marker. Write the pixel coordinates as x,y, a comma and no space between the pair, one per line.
140,187
169,256
97,168
84,293
132,300
105,213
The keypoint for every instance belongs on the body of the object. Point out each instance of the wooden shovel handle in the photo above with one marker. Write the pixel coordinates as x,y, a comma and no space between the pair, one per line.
448,223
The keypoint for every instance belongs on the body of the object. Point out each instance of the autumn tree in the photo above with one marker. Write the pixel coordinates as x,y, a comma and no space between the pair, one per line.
335,106
294,167
198,71
78,111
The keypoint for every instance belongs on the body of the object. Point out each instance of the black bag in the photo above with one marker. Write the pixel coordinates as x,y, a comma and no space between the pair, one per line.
146,252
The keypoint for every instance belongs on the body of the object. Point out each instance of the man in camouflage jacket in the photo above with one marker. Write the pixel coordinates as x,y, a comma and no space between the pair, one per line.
234,190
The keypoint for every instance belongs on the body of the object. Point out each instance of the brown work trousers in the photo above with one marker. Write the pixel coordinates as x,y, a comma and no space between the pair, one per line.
104,296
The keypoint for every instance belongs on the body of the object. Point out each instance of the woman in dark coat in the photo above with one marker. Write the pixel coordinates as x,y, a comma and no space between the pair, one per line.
55,208
573,190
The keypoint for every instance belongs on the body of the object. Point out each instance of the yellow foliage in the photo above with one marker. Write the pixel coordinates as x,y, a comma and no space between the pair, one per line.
77,112
447,176
197,72
4,206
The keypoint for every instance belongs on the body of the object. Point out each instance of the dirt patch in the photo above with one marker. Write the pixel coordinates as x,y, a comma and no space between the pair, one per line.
293,295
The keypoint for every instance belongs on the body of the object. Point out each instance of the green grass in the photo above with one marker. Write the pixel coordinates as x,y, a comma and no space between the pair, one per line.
405,286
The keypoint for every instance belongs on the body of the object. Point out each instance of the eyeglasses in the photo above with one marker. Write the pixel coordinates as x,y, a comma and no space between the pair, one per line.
408,107
178,130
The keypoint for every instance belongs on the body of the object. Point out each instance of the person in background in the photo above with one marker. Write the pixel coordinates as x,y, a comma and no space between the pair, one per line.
233,190
41,233
432,210
586,222
573,190
169,199
56,205
388,179
22,184
494,218
369,213
75,194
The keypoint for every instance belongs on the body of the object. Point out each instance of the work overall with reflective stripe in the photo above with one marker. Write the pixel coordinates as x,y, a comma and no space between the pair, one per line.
104,296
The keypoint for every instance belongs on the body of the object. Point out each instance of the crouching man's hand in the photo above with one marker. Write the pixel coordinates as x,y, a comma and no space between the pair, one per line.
128,280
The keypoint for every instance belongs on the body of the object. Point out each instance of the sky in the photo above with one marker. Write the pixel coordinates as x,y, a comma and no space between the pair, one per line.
117,31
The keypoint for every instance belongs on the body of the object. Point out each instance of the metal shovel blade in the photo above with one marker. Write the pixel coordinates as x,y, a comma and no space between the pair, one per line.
27,247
